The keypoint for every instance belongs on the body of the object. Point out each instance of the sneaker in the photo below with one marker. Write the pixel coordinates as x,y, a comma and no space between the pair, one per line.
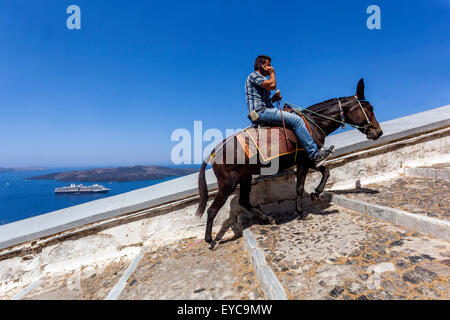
323,155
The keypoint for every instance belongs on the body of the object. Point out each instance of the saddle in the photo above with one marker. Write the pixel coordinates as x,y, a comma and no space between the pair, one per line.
269,142
259,139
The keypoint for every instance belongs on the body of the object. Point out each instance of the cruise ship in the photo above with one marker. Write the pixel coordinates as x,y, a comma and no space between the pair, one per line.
79,189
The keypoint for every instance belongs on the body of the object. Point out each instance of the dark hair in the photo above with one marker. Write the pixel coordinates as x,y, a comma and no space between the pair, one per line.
260,60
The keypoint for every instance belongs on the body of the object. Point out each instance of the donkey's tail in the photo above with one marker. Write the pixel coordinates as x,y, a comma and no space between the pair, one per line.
202,190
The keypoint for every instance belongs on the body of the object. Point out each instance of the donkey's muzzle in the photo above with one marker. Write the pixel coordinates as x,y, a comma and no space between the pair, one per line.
374,133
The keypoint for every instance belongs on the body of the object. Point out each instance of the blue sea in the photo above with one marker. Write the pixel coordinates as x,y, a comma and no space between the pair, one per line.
21,198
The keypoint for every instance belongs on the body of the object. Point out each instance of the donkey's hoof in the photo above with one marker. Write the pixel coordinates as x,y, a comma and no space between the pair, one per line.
314,196
302,215
212,245
271,220
238,235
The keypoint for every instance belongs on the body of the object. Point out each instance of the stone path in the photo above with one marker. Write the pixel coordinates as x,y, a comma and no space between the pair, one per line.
416,195
340,254
189,270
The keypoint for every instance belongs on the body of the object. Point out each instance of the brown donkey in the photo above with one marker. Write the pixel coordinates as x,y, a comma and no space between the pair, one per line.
323,118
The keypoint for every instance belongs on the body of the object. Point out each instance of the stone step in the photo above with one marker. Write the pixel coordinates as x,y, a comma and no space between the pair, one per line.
427,225
340,254
439,173
189,270
417,195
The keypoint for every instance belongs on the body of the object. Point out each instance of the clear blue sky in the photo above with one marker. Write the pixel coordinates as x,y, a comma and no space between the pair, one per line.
113,92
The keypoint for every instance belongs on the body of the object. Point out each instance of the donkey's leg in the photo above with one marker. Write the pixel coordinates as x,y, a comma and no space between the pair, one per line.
226,188
302,171
244,200
218,202
325,175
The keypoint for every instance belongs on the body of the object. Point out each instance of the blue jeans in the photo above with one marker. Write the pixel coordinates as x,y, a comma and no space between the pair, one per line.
272,117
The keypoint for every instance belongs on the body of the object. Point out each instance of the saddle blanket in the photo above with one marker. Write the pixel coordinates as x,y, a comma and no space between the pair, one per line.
269,142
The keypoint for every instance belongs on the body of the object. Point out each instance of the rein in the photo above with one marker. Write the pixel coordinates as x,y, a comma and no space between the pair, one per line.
300,109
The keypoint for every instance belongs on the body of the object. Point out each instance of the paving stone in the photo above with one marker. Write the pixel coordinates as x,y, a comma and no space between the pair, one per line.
440,270
419,275
336,292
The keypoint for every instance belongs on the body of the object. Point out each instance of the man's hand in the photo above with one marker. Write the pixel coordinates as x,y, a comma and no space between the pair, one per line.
270,84
268,69
276,96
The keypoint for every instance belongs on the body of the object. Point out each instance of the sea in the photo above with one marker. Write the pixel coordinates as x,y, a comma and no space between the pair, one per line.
21,198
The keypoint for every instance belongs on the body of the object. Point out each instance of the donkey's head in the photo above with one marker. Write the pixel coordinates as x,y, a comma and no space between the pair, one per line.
360,113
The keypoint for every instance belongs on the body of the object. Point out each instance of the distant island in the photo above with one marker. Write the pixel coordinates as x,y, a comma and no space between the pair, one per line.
21,169
121,174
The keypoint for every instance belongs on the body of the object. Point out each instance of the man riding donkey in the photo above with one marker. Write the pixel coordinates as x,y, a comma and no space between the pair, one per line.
261,110
326,116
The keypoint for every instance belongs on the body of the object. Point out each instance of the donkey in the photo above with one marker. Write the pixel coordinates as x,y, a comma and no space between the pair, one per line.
323,118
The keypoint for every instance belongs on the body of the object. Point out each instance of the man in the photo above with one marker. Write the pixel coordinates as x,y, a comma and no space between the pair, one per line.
261,109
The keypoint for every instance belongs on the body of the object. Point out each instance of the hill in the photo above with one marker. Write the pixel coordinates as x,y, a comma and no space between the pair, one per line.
2,169
120,174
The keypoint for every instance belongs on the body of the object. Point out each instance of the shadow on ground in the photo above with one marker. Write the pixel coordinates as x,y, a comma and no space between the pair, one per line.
285,215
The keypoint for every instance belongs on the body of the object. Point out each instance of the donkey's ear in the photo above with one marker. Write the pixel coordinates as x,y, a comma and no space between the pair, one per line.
360,90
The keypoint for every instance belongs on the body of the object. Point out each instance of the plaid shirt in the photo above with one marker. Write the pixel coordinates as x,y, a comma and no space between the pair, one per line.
257,97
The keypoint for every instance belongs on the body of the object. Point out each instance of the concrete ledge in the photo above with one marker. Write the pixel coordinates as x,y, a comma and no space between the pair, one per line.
271,286
437,174
435,227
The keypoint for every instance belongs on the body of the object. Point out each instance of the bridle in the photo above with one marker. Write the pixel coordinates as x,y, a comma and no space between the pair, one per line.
341,112
364,112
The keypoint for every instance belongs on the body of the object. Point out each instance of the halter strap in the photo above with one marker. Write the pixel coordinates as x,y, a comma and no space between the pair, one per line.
367,118
300,109
341,112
